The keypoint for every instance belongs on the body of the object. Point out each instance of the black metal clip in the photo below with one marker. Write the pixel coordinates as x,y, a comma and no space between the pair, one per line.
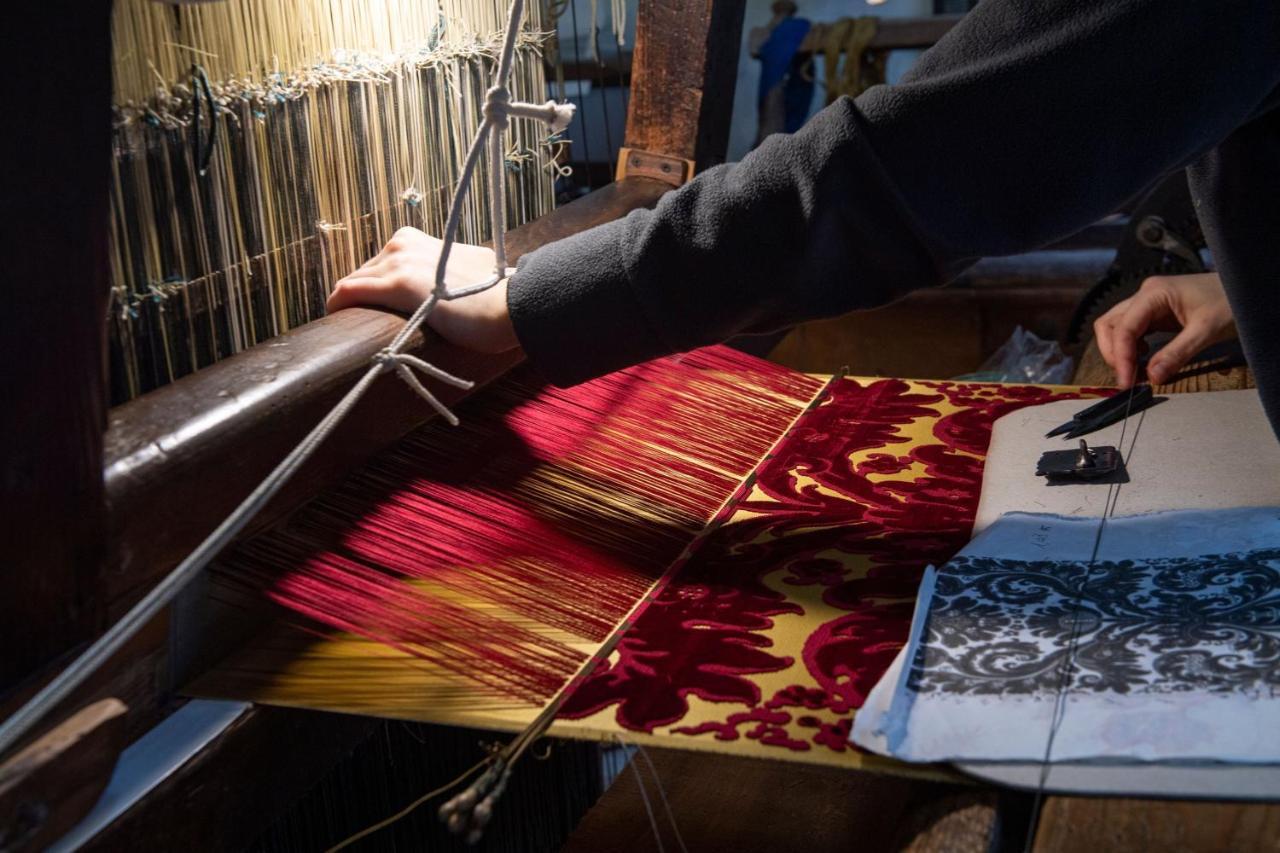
1088,464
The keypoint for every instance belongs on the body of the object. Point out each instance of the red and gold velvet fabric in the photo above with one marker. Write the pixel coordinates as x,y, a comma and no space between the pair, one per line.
761,634
769,638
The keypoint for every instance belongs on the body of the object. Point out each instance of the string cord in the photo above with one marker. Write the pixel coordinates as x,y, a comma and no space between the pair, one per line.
662,794
498,109
644,795
1066,671
407,810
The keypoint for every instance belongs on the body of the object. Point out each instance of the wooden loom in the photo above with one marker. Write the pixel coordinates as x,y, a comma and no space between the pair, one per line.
86,545
165,455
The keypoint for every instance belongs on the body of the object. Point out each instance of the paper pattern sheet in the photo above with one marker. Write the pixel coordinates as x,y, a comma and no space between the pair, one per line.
1193,451
1174,644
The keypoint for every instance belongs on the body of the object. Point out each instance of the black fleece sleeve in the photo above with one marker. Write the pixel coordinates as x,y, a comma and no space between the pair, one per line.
1029,120
1236,188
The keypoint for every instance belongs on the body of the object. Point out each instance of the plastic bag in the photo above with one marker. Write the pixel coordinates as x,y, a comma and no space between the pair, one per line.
1025,358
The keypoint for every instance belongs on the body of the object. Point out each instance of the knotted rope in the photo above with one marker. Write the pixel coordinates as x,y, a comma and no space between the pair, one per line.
403,363
498,110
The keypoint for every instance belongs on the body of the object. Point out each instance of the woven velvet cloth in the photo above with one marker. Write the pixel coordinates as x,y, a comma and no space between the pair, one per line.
768,640
763,636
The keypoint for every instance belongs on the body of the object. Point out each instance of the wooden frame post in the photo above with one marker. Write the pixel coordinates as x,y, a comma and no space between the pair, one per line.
53,206
683,73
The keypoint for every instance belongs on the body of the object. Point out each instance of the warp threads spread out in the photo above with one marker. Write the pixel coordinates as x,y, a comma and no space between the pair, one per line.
333,130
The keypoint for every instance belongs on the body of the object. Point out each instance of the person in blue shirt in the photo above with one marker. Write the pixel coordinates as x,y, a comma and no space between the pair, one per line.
785,90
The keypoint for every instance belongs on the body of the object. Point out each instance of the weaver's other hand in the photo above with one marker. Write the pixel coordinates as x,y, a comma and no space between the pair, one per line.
1194,304
403,274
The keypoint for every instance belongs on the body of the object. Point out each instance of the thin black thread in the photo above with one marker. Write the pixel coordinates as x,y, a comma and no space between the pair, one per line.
1068,664
624,85
582,116
203,151
604,92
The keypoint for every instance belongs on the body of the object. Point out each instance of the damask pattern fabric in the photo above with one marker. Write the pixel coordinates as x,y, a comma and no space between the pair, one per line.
1169,625
766,636
771,636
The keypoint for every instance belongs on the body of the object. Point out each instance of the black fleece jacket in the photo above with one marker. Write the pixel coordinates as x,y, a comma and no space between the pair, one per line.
1028,121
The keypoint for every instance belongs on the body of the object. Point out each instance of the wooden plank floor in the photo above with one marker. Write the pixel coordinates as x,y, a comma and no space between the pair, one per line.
1096,824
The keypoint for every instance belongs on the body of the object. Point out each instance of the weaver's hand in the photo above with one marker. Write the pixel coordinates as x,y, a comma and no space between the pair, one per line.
1195,304
403,274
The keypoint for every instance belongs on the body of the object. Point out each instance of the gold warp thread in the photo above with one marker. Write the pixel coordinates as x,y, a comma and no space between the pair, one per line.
327,112
292,667
539,725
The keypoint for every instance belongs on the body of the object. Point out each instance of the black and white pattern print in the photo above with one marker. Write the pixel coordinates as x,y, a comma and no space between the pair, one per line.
1002,627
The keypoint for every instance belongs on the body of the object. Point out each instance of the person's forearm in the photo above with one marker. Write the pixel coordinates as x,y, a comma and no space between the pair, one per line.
805,226
1027,122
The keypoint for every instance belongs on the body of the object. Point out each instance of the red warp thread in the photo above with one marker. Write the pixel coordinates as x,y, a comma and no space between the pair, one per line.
551,508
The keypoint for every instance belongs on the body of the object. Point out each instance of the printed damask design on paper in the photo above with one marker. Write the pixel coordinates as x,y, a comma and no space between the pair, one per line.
1005,627
875,483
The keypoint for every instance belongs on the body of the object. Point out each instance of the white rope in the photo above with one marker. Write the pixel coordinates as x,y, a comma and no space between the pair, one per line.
595,32
498,109
403,364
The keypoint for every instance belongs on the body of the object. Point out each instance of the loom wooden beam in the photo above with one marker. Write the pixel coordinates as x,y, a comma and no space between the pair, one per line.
685,61
611,70
52,783
71,776
180,458
891,34
753,805
939,332
906,33
52,335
